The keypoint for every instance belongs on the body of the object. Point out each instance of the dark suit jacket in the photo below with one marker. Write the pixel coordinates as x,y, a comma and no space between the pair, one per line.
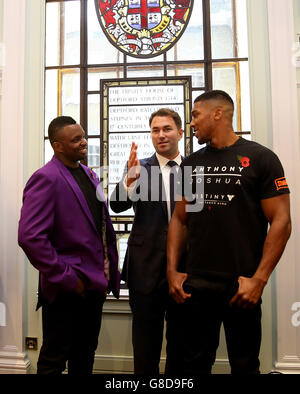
145,261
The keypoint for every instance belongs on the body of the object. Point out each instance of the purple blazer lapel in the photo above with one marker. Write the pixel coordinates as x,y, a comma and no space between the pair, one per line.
94,178
76,189
101,197
90,174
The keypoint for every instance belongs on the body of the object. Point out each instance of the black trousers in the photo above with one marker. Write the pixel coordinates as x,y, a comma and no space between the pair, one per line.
149,313
203,315
71,326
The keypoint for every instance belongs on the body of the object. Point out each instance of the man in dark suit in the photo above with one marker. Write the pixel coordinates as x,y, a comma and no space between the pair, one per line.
67,234
146,187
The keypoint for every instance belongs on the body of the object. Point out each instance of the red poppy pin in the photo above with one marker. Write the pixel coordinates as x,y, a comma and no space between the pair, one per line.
245,161
92,174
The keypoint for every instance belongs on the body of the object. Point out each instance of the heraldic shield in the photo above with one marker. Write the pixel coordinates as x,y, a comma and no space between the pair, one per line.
143,28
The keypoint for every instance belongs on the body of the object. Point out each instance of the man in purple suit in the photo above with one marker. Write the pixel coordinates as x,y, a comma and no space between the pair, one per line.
66,232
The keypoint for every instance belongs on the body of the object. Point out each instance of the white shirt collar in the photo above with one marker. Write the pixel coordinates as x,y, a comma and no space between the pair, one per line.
163,160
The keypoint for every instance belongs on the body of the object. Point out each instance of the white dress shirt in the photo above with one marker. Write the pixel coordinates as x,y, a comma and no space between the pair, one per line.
165,170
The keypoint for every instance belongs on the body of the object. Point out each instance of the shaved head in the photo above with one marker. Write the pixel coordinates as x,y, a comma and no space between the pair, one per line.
218,98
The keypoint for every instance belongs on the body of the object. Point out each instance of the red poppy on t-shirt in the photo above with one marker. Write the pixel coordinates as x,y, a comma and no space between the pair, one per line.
245,161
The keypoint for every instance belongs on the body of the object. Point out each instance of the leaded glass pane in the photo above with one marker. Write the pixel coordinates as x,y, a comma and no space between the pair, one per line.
241,28
63,33
245,97
93,114
196,93
69,96
48,151
100,50
51,97
222,29
234,79
96,74
190,45
131,59
196,71
94,152
225,78
140,71
228,28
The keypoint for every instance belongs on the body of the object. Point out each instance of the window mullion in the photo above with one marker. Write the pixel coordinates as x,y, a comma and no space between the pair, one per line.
83,66
207,44
62,33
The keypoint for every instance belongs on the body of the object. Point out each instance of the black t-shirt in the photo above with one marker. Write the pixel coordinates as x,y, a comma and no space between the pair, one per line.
89,191
227,227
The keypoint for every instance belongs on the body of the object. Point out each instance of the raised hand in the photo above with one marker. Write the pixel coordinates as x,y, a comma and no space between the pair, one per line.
134,167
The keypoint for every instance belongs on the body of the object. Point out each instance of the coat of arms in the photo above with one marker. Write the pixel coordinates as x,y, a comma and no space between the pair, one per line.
143,28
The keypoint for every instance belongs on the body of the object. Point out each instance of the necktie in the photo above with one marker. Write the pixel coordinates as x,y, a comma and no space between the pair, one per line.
172,175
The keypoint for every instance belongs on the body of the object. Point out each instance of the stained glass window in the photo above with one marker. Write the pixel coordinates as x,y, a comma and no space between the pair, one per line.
211,49
144,28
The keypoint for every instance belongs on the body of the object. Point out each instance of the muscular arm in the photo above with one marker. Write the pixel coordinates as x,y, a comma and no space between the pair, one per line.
177,236
277,212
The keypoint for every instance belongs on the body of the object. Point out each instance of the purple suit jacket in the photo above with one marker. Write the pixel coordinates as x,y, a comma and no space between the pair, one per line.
58,234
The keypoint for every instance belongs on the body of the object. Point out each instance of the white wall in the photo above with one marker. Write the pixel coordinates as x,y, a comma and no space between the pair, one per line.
12,356
285,122
261,119
296,52
1,54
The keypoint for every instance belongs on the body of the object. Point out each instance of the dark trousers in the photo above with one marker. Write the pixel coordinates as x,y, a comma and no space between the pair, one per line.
203,315
71,326
148,315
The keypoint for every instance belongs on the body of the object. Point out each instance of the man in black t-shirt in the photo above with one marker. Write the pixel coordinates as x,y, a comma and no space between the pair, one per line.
231,190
